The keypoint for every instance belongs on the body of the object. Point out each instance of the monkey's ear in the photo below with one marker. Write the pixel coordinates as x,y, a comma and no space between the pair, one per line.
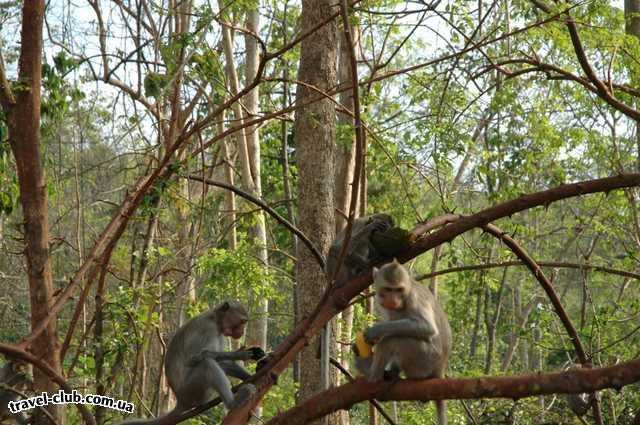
374,271
226,306
395,262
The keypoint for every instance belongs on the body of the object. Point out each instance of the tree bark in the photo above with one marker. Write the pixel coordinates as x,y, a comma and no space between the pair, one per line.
345,163
315,153
23,121
257,332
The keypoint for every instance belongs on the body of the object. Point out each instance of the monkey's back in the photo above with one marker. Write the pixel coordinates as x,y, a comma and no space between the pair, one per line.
199,333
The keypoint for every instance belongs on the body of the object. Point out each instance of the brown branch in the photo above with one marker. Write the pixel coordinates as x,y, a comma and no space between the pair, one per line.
513,387
357,125
338,298
554,264
601,88
555,301
525,202
375,403
13,351
546,285
264,206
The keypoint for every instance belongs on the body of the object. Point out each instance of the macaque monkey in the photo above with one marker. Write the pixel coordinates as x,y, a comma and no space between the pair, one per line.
361,252
197,366
413,335
13,374
578,403
358,257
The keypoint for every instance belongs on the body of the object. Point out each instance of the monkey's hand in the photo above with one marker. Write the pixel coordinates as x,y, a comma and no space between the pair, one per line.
372,335
262,363
403,328
256,353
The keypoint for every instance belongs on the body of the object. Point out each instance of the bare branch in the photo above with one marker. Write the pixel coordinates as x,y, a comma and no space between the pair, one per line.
13,351
273,213
513,387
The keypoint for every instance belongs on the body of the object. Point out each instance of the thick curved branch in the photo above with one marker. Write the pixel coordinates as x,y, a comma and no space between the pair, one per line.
273,213
555,301
18,353
513,387
338,298
525,202
546,285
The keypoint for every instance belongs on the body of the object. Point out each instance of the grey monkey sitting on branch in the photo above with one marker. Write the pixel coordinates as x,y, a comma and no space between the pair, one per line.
413,335
197,367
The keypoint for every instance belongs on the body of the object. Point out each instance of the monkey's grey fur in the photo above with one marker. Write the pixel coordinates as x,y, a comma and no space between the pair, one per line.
196,365
361,252
413,336
12,376
359,256
578,403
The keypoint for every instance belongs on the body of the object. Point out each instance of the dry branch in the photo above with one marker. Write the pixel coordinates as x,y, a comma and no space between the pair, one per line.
512,387
337,299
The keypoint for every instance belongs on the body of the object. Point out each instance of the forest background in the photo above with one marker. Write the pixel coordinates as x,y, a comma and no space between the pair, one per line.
157,157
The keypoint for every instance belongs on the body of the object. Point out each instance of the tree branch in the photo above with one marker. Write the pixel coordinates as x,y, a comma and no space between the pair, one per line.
273,213
513,387
554,264
338,298
13,351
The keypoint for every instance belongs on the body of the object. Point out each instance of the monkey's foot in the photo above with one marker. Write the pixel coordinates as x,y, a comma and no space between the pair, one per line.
243,394
392,374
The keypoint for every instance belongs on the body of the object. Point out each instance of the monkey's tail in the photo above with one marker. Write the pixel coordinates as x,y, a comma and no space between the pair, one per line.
441,409
168,419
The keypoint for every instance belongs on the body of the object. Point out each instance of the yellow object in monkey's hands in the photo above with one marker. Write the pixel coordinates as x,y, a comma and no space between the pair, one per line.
362,348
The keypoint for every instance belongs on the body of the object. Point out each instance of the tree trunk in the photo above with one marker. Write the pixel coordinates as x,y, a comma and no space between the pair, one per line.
345,164
257,332
315,153
23,122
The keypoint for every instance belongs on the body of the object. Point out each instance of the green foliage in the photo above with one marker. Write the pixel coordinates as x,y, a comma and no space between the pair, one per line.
154,83
234,274
58,94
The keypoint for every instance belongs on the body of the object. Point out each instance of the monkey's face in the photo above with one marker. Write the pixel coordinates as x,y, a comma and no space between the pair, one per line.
391,297
234,327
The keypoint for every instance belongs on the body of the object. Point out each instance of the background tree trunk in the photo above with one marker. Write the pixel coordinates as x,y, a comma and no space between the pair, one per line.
257,331
23,122
315,153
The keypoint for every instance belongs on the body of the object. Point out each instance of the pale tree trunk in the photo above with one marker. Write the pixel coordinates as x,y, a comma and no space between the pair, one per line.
345,164
249,156
491,321
22,111
315,142
632,27
230,205
521,316
257,332
230,201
